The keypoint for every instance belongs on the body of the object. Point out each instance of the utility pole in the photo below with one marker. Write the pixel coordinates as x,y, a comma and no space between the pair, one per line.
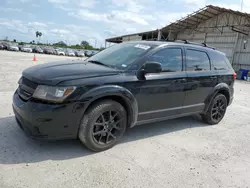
241,6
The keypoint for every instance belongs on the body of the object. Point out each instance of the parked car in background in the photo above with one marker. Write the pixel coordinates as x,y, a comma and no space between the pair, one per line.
69,52
12,47
20,46
37,49
54,52
90,53
1,46
26,49
79,53
60,51
5,44
49,50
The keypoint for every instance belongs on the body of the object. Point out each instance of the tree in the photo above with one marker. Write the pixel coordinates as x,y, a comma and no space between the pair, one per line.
14,40
38,34
60,43
84,43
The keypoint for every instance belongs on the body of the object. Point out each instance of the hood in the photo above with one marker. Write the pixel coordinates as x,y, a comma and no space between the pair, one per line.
56,72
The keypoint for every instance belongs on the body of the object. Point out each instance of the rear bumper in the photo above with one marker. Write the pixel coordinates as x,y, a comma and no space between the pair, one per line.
46,121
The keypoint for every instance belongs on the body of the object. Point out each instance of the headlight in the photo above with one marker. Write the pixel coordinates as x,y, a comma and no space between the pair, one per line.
54,94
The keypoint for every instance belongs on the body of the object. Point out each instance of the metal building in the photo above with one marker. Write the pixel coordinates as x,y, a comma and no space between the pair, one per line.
225,29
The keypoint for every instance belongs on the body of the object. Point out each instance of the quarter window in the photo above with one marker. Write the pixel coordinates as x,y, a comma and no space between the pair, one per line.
170,59
197,61
219,61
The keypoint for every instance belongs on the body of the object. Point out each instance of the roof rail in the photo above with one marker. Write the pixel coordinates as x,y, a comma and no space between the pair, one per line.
195,43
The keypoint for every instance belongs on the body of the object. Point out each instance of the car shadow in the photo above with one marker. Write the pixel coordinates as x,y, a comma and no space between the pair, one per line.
17,148
164,127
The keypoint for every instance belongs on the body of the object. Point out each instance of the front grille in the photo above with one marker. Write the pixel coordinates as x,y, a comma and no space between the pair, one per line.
26,88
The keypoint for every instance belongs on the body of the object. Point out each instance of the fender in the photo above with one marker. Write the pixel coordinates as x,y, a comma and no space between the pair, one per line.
109,91
217,88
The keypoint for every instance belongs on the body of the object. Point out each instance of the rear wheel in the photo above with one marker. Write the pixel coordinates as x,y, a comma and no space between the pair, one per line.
103,125
216,110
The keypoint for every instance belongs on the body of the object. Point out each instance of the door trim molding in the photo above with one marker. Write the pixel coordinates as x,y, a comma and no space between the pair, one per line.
165,118
171,109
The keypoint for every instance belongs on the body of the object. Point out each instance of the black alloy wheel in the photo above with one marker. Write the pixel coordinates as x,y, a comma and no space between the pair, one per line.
107,127
216,110
103,125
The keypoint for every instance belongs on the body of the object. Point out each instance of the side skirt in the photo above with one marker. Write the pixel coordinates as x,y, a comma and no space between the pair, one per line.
166,118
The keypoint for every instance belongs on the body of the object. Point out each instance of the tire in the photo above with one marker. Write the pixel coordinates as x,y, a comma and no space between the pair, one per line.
97,128
218,106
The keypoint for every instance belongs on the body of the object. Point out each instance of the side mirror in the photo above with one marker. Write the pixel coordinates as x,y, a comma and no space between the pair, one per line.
149,67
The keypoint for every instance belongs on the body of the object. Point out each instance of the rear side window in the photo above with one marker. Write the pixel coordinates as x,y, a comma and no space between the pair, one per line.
219,61
197,61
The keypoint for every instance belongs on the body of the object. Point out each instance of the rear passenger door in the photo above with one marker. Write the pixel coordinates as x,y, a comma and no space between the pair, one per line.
201,79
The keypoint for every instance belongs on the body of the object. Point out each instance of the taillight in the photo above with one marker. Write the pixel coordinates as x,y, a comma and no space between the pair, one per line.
235,76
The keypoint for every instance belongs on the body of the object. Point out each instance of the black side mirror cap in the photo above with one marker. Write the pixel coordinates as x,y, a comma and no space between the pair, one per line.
152,67
149,67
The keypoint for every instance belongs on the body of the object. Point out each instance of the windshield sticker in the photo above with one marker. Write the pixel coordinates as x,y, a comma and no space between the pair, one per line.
123,65
144,47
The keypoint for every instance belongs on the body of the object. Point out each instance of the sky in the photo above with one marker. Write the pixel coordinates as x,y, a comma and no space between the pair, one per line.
72,21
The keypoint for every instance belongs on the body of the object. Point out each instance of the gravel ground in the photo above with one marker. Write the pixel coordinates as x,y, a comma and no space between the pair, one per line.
178,153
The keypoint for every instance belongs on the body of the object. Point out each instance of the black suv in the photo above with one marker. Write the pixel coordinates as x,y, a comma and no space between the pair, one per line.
125,85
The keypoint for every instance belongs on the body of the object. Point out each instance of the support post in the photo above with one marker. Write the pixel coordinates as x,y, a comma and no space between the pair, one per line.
235,46
159,35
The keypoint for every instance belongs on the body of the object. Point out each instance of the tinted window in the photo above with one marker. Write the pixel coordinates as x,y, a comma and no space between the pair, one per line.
197,61
120,56
170,59
219,61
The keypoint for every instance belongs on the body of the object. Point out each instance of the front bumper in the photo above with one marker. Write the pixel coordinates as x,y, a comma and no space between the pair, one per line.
47,121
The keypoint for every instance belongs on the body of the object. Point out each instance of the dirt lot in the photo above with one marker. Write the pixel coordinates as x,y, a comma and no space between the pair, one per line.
177,153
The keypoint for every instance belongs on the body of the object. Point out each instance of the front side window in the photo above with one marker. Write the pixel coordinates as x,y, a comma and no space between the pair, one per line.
170,59
197,61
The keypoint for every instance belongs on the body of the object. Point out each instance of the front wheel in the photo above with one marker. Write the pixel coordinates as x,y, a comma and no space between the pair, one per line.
103,125
216,110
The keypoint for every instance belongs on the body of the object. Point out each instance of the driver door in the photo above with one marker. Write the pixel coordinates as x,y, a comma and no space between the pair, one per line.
161,95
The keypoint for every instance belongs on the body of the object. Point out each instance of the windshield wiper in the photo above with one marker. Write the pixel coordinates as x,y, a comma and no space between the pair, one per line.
98,63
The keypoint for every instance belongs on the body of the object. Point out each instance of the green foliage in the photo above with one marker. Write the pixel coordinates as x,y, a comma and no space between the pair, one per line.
85,43
38,34
60,44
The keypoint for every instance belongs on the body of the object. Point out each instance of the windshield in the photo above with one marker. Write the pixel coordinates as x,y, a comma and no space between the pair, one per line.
120,56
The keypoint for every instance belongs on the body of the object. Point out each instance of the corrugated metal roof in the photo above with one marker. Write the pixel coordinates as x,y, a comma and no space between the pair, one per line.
190,20
200,16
